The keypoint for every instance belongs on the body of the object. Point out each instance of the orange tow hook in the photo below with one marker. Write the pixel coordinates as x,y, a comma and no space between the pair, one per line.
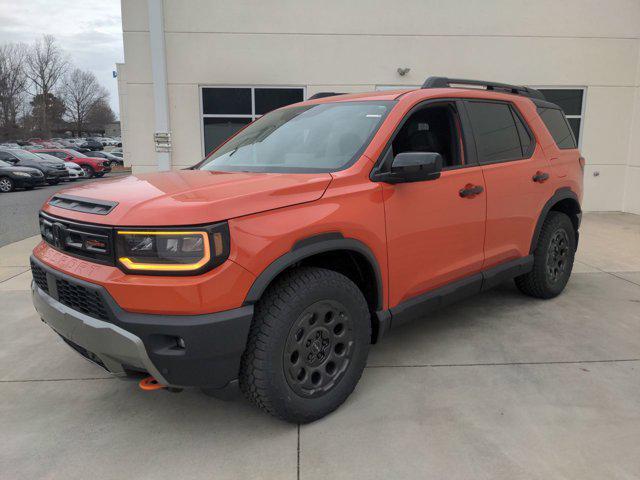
150,383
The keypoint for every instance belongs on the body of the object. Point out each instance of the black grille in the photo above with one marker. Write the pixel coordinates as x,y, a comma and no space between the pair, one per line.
40,277
92,242
81,299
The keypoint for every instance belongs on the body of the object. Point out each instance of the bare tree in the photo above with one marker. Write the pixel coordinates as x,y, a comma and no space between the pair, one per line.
13,84
45,66
81,92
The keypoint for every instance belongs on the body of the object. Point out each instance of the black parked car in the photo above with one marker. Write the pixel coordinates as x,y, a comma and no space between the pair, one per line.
12,177
53,172
92,144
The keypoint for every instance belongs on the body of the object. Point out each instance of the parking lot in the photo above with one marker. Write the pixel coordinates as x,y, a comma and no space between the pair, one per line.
501,386
19,208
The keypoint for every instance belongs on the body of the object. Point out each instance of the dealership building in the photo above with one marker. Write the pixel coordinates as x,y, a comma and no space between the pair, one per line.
199,70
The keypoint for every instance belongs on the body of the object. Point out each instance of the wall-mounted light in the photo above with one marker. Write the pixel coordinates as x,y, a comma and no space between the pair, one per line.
402,71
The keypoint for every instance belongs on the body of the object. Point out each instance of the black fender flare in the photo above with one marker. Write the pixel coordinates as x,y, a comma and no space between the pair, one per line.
308,247
559,195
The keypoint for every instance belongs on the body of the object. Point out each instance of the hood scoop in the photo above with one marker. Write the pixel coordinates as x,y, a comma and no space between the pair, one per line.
81,204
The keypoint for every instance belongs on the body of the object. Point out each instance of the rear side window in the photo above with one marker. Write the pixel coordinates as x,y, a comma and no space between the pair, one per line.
499,133
558,127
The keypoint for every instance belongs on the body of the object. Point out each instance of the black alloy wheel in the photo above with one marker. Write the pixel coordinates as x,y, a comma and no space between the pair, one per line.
318,349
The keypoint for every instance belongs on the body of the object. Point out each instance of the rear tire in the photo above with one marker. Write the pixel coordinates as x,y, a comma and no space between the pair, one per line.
307,346
552,260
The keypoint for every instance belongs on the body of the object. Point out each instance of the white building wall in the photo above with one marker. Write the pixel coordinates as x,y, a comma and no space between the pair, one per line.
354,46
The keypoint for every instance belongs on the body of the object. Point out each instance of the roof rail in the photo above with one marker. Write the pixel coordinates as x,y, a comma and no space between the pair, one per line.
324,94
444,82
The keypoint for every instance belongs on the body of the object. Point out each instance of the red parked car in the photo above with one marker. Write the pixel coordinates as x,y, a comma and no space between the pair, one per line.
93,167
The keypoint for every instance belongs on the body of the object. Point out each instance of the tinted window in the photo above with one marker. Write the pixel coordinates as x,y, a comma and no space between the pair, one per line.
235,101
268,99
217,130
495,132
570,100
526,141
558,127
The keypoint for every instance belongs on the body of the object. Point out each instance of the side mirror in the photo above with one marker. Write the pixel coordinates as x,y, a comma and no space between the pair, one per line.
414,167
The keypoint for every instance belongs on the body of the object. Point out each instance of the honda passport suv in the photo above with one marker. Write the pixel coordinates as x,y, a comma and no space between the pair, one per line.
278,260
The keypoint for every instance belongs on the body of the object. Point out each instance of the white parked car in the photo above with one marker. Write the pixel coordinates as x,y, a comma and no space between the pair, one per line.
75,171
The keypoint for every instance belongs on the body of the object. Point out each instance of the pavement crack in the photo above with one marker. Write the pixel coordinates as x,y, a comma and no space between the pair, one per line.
498,364
298,467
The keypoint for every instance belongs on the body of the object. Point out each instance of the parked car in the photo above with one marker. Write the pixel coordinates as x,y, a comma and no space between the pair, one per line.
276,261
93,167
12,177
113,159
54,172
74,170
92,144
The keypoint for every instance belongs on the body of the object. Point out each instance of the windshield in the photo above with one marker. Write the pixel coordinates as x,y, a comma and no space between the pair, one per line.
75,153
24,155
49,158
310,138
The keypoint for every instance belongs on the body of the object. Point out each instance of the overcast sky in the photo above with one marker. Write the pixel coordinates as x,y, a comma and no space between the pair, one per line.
90,31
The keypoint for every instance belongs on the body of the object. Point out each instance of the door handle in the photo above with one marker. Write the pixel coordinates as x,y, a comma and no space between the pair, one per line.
470,190
540,177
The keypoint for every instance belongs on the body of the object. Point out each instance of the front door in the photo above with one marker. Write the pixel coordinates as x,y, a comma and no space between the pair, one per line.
435,228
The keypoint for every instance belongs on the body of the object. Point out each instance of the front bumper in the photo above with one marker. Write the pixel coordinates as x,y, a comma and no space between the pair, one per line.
24,182
87,317
56,175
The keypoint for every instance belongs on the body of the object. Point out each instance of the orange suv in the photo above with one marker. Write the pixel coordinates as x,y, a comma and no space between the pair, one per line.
278,260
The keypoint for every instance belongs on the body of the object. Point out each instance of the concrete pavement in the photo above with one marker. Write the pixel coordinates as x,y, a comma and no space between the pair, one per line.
500,386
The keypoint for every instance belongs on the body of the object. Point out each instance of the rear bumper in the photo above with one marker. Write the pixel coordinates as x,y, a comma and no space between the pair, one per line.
124,342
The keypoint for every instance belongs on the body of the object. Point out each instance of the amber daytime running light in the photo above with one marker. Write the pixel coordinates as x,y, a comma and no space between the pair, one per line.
187,251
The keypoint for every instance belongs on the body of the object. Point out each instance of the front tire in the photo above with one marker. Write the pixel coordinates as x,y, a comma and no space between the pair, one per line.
89,172
6,185
553,258
307,346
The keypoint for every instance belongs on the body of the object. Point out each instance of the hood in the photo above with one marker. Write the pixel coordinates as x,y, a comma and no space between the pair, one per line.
20,169
193,197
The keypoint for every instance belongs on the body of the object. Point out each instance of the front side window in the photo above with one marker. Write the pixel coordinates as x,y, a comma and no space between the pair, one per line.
432,129
310,138
496,132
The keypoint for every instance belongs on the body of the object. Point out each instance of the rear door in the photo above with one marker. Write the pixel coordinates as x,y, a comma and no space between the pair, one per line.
516,173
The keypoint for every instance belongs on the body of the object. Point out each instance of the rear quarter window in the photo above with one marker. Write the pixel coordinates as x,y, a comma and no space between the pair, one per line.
558,127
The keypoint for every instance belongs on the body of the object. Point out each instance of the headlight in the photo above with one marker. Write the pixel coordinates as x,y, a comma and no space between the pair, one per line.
181,251
21,174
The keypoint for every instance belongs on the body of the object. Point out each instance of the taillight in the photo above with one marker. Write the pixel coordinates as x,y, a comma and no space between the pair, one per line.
582,162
